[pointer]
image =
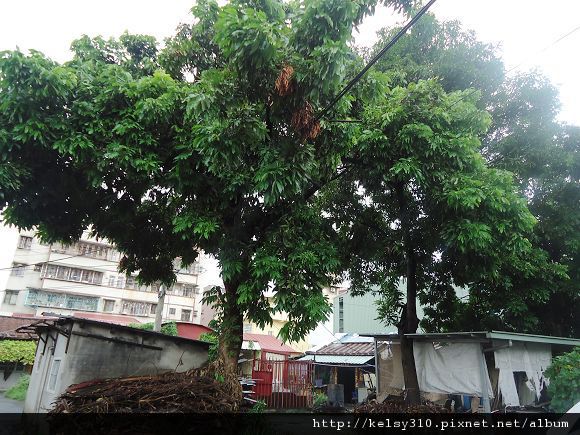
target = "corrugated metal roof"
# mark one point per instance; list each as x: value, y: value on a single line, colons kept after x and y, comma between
x: 118, y: 319
x: 9, y: 324
x: 347, y: 349
x: 270, y: 343
x: 483, y: 336
x: 250, y: 345
x: 338, y: 359
x: 355, y: 338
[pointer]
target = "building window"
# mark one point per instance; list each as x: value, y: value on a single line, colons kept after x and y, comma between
x: 72, y: 274
x: 38, y: 267
x: 185, y: 315
x: 131, y: 283
x: 247, y: 327
x: 192, y: 269
x: 42, y: 298
x: 24, y: 242
x: 18, y: 269
x: 53, y: 375
x: 109, y: 305
x: 137, y: 308
x: 172, y: 311
x: 187, y: 290
x: 10, y: 297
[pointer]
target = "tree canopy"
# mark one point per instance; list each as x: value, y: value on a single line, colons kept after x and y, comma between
x: 213, y: 144
x: 525, y: 138
x: 208, y: 144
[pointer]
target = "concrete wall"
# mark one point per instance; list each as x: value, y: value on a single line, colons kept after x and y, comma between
x: 88, y: 358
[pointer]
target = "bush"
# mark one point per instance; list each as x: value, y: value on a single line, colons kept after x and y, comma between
x: 258, y: 407
x: 18, y: 391
x: 17, y: 350
x: 169, y: 328
x: 320, y: 399
x: 213, y: 339
x: 564, y: 375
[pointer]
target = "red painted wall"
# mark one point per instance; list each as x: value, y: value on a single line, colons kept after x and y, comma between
x: 191, y: 330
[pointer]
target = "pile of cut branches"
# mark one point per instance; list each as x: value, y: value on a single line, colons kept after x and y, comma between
x: 187, y: 392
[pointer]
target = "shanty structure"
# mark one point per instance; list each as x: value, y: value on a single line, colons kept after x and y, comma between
x: 261, y: 347
x: 348, y: 361
x: 267, y: 366
x: 73, y: 350
x: 504, y: 369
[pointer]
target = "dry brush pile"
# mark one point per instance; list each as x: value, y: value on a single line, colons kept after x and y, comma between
x: 187, y: 392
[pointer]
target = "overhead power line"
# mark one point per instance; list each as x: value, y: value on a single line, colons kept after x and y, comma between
x: 375, y: 59
x: 40, y: 263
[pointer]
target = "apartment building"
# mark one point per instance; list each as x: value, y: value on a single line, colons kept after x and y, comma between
x: 83, y: 278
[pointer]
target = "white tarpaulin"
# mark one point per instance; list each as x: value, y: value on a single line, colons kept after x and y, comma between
x: 531, y: 358
x: 452, y: 368
x: 390, y: 368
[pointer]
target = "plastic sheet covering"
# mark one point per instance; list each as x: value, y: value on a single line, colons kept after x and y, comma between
x: 453, y: 368
x: 390, y: 368
x: 531, y: 358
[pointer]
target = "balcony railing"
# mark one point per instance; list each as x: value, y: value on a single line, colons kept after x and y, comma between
x: 88, y: 249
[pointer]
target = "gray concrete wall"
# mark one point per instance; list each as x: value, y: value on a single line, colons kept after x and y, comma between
x: 89, y: 358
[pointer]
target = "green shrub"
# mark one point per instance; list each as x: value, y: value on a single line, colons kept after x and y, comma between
x: 18, y: 391
x: 213, y: 339
x: 564, y: 375
x: 169, y: 328
x: 258, y: 407
x: 320, y: 399
x: 17, y: 350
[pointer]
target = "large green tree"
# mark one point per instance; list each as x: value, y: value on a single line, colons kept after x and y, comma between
x: 421, y: 203
x: 210, y: 144
x: 213, y: 144
x: 525, y: 138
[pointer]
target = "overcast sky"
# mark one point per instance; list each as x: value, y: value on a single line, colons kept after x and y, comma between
x: 524, y: 28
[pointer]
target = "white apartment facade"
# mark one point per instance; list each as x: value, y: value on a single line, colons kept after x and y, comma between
x: 84, y: 278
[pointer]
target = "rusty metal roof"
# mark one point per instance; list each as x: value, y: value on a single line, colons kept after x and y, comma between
x: 269, y: 343
x: 10, y: 324
x: 339, y: 348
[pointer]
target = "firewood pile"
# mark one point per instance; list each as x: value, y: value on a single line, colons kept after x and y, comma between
x: 398, y: 406
x: 186, y: 392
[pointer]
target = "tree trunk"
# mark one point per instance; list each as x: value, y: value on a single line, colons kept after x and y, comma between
x: 230, y: 339
x: 409, y: 321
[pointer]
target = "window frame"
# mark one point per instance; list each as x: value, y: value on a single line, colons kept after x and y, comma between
x: 108, y: 301
x: 50, y: 373
x: 12, y: 294
x: 189, y: 315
